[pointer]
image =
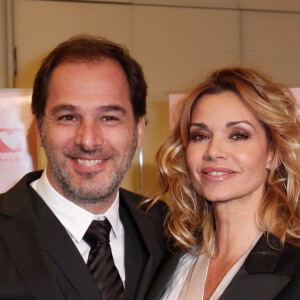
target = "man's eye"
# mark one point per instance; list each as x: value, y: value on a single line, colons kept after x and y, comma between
x: 66, y: 118
x: 109, y: 118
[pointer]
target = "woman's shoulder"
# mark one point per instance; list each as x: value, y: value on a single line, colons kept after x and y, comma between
x: 268, y: 243
x: 289, y: 265
x: 291, y: 254
x: 268, y: 255
x: 292, y: 247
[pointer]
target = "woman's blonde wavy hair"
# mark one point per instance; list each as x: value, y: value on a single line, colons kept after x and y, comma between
x: 190, y: 221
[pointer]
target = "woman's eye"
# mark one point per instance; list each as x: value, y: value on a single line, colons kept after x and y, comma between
x: 200, y: 136
x: 240, y: 136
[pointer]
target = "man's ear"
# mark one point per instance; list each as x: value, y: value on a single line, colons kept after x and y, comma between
x: 141, y: 126
x: 39, y: 132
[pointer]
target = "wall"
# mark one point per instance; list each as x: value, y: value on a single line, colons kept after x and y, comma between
x: 3, y: 53
x: 177, y: 42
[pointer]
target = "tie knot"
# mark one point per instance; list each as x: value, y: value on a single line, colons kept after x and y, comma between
x: 98, y: 232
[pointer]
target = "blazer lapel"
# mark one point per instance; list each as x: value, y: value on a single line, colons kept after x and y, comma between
x: 65, y: 256
x: 136, y: 255
x: 144, y: 246
x: 18, y: 232
x: 254, y: 286
x: 257, y: 278
x: 163, y: 277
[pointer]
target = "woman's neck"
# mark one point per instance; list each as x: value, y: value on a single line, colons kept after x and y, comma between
x: 236, y: 228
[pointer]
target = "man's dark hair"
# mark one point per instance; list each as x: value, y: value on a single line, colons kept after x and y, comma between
x: 89, y: 49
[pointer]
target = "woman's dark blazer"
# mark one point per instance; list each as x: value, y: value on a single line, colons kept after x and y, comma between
x: 266, y: 274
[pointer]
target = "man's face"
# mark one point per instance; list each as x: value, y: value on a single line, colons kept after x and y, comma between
x: 89, y: 132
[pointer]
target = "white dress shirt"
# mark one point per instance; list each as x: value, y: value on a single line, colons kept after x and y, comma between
x: 76, y: 221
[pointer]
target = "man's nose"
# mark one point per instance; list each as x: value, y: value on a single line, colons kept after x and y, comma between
x: 88, y: 135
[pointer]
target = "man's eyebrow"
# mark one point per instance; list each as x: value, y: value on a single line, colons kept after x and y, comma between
x: 63, y: 107
x: 112, y: 108
x: 101, y: 109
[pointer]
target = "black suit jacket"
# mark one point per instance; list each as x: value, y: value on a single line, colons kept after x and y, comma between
x: 38, y: 259
x: 266, y: 274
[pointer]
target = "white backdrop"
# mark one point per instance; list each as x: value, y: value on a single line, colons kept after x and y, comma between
x: 17, y: 137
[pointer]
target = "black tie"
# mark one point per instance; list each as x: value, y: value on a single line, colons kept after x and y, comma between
x: 101, y: 263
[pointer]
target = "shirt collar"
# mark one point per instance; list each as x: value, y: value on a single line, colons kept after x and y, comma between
x: 74, y: 218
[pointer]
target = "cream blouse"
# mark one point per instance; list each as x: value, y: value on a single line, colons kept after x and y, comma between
x: 181, y: 287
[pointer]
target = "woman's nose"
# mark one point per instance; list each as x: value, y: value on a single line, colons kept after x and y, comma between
x: 216, y: 149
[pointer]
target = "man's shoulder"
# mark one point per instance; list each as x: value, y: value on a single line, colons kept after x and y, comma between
x: 136, y: 202
x: 136, y: 198
x: 16, y: 196
x: 24, y: 181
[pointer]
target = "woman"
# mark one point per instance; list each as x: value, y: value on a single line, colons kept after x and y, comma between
x: 230, y: 174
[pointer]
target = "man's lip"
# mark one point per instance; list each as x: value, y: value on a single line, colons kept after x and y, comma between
x: 88, y: 162
x: 209, y: 170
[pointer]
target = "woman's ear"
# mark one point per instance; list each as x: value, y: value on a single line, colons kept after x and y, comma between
x: 273, y: 160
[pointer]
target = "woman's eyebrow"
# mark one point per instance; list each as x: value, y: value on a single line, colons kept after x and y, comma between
x: 199, y: 125
x: 233, y: 123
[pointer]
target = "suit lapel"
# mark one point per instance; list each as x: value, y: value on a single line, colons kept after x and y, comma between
x: 162, y: 279
x: 254, y: 286
x: 53, y: 268
x: 257, y: 278
x: 20, y: 238
x: 135, y: 255
x: 65, y: 256
x: 144, y: 245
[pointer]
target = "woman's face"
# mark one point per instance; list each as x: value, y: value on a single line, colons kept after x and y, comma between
x: 227, y: 153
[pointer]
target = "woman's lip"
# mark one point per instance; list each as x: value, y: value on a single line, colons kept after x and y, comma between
x: 217, y: 174
x: 208, y: 170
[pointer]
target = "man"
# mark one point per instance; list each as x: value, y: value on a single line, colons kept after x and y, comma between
x: 89, y: 100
